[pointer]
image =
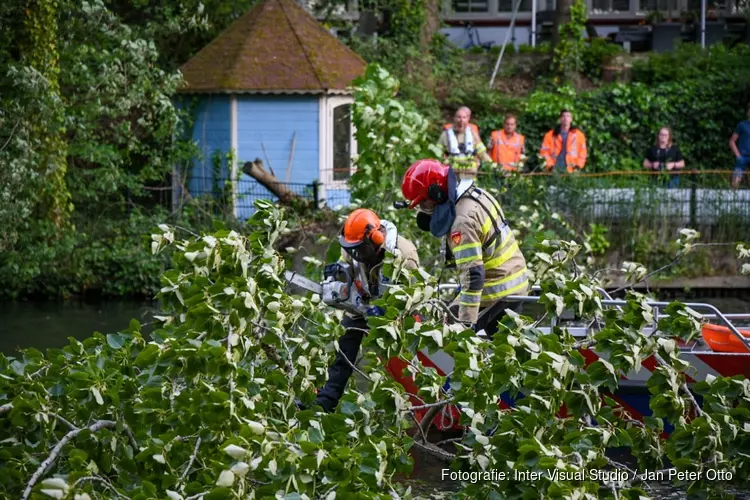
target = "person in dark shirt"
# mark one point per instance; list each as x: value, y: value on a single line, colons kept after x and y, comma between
x: 739, y: 143
x: 665, y: 156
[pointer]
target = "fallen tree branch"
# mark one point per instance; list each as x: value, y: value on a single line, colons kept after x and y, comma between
x: 414, y: 417
x: 667, y: 266
x: 581, y: 343
x: 270, y: 350
x: 100, y: 479
x: 430, y: 416
x: 683, y: 386
x: 66, y: 422
x: 190, y: 462
x: 435, y: 451
x: 131, y: 437
x: 431, y: 405
x: 50, y: 460
x: 257, y: 171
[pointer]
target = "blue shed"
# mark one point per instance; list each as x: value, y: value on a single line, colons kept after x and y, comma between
x: 274, y: 86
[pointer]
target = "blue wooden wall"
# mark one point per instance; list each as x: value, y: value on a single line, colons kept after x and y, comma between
x: 270, y: 121
x: 211, y: 131
x: 337, y: 198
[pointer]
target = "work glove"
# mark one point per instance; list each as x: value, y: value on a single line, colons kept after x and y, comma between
x: 375, y: 311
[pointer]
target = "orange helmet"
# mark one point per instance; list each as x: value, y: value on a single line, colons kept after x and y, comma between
x: 362, y: 234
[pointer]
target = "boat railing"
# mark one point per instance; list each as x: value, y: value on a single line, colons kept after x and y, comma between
x: 607, y: 300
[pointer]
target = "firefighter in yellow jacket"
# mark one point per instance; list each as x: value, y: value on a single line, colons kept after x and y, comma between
x: 478, y: 238
x: 461, y: 145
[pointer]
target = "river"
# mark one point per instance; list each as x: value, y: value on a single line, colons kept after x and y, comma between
x: 48, y: 325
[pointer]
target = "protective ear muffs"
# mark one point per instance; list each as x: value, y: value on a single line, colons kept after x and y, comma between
x: 376, y: 235
x: 435, y: 193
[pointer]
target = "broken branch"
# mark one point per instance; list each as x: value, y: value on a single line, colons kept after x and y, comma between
x: 50, y: 460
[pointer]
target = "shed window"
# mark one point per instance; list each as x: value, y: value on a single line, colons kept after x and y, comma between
x: 342, y: 142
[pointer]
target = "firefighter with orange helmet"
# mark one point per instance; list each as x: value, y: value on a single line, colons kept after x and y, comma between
x: 478, y: 241
x: 365, y: 240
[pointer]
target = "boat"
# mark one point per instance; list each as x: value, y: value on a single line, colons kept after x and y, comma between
x: 722, y: 350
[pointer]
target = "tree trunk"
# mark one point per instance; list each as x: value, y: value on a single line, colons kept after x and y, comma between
x: 431, y: 24
x: 257, y: 171
x: 39, y: 50
x: 562, y: 16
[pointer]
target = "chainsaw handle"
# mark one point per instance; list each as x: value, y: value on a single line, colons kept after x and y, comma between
x: 332, y: 273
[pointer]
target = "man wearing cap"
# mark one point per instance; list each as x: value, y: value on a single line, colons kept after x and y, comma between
x: 365, y: 240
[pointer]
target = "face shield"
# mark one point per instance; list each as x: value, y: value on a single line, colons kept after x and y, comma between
x: 365, y: 251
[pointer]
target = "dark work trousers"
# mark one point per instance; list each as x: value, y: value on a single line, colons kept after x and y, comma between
x: 340, y: 371
x: 489, y: 320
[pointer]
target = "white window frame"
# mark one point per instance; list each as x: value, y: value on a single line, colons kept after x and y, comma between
x: 325, y: 142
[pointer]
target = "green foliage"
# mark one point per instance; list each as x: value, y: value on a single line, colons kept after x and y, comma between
x: 206, y: 406
x: 99, y: 259
x: 109, y: 120
x: 568, y: 53
x: 179, y: 28
x: 391, y: 135
x: 621, y: 120
x: 597, y: 53
x: 596, y: 240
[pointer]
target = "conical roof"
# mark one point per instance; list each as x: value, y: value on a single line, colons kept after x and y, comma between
x: 276, y: 47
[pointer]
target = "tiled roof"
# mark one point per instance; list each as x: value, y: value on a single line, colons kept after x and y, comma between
x: 277, y: 46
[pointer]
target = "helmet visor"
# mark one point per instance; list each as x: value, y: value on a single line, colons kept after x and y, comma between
x: 364, y: 252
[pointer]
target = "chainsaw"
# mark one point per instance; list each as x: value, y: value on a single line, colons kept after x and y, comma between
x: 340, y: 289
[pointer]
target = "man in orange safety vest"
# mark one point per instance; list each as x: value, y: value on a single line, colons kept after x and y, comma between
x: 507, y: 147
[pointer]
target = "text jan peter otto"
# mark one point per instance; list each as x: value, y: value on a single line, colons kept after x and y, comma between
x: 611, y: 475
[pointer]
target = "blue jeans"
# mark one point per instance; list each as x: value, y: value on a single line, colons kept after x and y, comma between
x: 739, y: 166
x: 669, y: 181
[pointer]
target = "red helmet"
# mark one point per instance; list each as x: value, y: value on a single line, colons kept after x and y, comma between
x: 420, y: 176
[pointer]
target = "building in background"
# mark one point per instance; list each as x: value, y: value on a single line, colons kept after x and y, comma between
x: 483, y: 22
x: 273, y: 86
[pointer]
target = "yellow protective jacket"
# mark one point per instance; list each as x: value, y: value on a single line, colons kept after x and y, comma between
x: 486, y: 254
x: 465, y: 164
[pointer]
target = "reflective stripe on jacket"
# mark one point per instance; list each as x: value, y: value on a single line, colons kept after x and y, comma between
x: 486, y: 254
x: 507, y: 151
x: 468, y: 161
x: 576, y: 151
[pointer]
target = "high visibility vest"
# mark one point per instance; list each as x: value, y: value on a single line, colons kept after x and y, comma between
x: 575, y: 151
x: 465, y: 160
x: 507, y: 151
x: 472, y: 126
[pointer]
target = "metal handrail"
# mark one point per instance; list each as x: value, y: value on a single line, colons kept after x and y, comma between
x: 618, y: 303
